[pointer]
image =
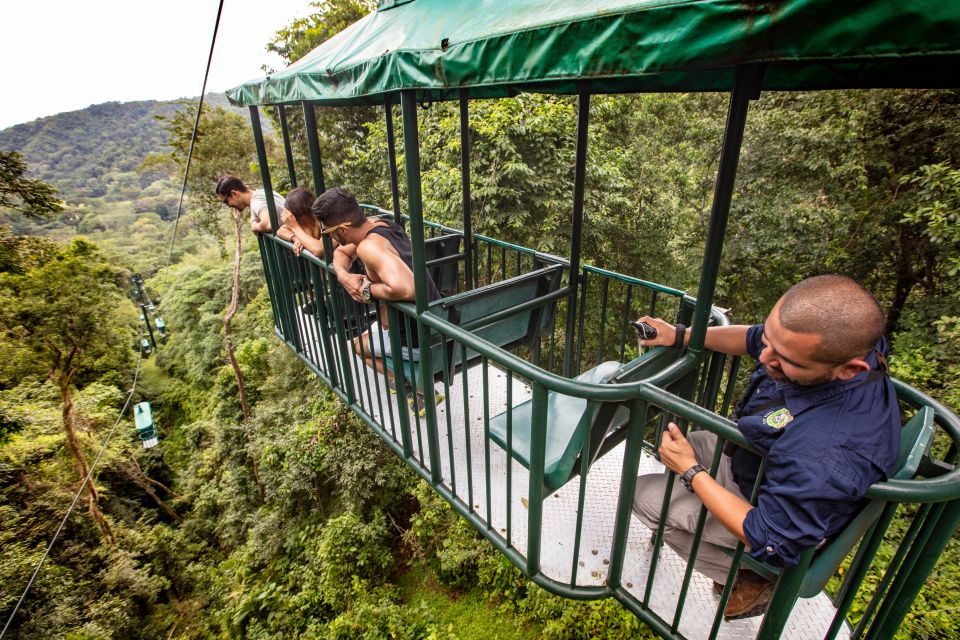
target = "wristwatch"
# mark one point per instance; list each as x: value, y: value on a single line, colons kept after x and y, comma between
x: 687, y: 478
x: 365, y: 291
x: 679, y: 336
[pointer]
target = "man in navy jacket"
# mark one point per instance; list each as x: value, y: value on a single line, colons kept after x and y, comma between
x: 821, y: 409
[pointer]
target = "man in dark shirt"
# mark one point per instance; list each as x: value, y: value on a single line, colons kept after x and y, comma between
x: 823, y: 412
x: 385, y: 251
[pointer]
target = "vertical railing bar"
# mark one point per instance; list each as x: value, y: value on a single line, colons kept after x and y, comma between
x: 486, y: 438
x: 604, y: 297
x: 287, y: 150
x: 270, y: 276
x: 503, y: 263
x: 447, y: 349
x: 631, y: 461
x: 653, y: 305
x: 858, y: 569
x: 893, y: 569
x: 737, y: 557
x: 582, y: 320
x: 400, y: 381
x: 415, y: 398
x: 336, y: 294
x: 940, y: 529
x: 360, y: 318
x: 288, y: 298
x: 489, y: 263
x: 509, y: 500
x: 304, y: 311
x: 581, y: 497
x: 625, y: 322
x: 731, y: 382
x: 387, y: 377
x: 377, y: 376
x: 695, y: 546
x: 466, y: 424
x: 535, y: 489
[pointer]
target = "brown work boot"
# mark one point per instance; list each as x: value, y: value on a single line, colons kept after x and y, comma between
x: 749, y: 597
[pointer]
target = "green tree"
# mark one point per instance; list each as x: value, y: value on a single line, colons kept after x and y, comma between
x: 32, y: 198
x: 68, y: 319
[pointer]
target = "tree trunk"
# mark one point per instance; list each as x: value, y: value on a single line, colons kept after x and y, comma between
x: 910, y: 252
x: 228, y: 343
x: 83, y: 467
x: 144, y: 481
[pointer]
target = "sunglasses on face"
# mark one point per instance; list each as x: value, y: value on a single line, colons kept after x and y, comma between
x: 328, y: 230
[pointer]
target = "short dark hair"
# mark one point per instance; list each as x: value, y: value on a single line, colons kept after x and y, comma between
x: 845, y: 315
x: 336, y: 206
x: 228, y: 184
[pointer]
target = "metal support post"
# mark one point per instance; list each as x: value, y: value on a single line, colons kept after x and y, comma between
x: 287, y: 150
x: 465, y: 181
x: 411, y: 154
x: 746, y: 87
x: 392, y: 160
x: 285, y: 299
x: 313, y: 147
x: 580, y: 172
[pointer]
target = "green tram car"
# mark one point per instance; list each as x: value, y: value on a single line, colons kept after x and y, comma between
x: 548, y: 411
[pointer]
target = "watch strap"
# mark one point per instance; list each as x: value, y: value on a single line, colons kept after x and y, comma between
x: 687, y: 478
x: 681, y: 335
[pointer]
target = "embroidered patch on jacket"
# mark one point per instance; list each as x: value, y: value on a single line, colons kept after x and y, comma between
x: 778, y: 419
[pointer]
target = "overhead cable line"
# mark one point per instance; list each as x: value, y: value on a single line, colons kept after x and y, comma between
x: 193, y: 136
x: 76, y: 498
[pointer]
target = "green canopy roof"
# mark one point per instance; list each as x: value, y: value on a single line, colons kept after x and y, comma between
x: 500, y: 47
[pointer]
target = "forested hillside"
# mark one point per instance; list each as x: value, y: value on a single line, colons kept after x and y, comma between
x: 95, y: 152
x: 288, y: 518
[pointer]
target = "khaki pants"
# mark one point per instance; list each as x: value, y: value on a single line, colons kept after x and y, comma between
x: 681, y: 521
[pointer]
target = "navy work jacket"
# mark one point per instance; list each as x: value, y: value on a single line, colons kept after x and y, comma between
x: 824, y: 446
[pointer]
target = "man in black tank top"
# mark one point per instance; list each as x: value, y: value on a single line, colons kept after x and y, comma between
x: 386, y: 254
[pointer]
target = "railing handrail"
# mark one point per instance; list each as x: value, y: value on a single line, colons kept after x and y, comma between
x: 937, y: 489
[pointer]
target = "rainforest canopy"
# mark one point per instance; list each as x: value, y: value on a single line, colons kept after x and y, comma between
x: 498, y: 48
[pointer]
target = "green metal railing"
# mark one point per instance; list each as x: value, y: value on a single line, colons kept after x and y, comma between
x: 318, y: 321
x: 578, y: 326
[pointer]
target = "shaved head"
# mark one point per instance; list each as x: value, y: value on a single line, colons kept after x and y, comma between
x: 838, y: 309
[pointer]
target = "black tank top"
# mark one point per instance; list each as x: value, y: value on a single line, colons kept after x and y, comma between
x: 401, y: 243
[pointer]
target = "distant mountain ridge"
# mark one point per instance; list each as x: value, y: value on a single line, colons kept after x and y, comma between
x: 81, y: 152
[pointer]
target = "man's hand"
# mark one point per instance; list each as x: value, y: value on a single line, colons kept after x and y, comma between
x: 352, y: 284
x: 675, y: 452
x: 666, y: 333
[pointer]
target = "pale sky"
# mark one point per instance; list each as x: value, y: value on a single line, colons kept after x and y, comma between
x: 63, y: 55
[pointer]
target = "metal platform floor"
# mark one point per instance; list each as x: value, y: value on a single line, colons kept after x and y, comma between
x: 470, y: 482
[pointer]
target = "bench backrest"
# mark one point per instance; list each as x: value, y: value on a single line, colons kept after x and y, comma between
x: 442, y: 255
x: 507, y: 330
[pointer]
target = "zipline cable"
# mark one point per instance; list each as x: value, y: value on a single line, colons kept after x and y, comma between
x: 193, y: 136
x: 76, y: 498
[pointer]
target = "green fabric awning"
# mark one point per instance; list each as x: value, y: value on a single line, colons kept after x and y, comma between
x: 501, y: 47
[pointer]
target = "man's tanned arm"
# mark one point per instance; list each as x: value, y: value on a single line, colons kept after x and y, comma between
x: 396, y: 279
